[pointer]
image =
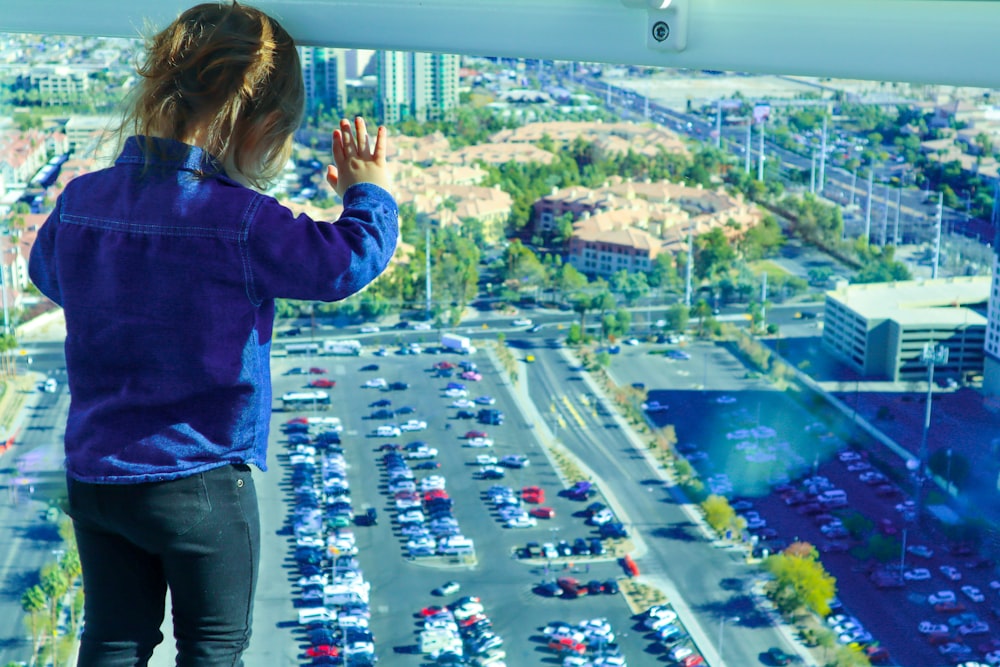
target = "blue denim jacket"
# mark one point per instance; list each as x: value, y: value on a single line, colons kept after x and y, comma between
x: 167, y: 271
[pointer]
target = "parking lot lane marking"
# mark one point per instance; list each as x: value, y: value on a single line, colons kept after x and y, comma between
x: 573, y: 412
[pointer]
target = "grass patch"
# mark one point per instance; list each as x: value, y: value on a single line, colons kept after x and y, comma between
x: 769, y: 267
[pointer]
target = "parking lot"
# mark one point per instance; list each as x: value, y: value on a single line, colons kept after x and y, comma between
x: 777, y: 463
x: 401, y: 583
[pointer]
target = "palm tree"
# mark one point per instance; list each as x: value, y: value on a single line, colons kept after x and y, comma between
x: 72, y: 570
x: 54, y: 587
x: 33, y: 602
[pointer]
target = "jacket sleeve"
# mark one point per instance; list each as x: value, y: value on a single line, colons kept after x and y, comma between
x: 42, y: 267
x: 300, y: 258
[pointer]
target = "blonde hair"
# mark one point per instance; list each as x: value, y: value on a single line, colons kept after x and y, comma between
x: 230, y: 72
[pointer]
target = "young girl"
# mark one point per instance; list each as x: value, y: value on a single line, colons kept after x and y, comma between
x: 167, y: 265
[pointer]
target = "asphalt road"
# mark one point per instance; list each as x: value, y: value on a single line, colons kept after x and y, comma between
x: 30, y: 476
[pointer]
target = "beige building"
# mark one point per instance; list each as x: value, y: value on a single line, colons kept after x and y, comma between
x: 881, y: 329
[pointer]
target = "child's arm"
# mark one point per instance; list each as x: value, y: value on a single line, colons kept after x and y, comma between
x: 298, y: 258
x: 356, y: 161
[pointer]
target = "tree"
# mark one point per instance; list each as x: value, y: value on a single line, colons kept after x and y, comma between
x: 33, y: 603
x: 632, y: 286
x: 54, y: 586
x: 800, y: 580
x: 719, y: 513
x: 677, y: 317
x: 713, y: 253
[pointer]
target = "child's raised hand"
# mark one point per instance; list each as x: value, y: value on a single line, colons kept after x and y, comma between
x: 354, y: 159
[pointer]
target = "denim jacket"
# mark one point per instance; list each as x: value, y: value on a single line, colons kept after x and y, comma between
x: 167, y: 271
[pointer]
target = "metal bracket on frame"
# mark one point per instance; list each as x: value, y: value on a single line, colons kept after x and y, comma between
x: 666, y: 27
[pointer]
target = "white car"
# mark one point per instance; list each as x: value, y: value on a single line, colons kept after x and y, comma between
x: 370, y: 328
x: 941, y: 596
x: 479, y: 442
x: 413, y: 425
x: 376, y: 383
x: 662, y: 611
x: 928, y: 627
x: 422, y: 453
x: 654, y: 406
x: 388, y: 431
x: 462, y: 402
x: 434, y: 482
x: 951, y: 572
x: 486, y: 460
x: 456, y: 393
x: 678, y: 653
x: 973, y: 593
x: 522, y: 322
x: 849, y: 456
x: 521, y: 522
x: 917, y: 574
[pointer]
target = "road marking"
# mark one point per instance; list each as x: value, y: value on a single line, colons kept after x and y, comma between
x: 573, y: 412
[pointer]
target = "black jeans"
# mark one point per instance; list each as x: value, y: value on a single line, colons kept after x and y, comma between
x: 199, y: 535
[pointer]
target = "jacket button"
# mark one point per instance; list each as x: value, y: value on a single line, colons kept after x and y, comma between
x: 239, y: 483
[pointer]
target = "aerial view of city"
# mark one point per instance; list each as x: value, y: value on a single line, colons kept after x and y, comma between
x: 669, y: 367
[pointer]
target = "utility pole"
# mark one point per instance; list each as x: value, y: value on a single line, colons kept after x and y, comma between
x: 822, y: 158
x: 746, y: 161
x: 854, y: 184
x: 645, y: 108
x: 899, y: 204
x: 427, y: 268
x: 937, y: 236
x: 689, y: 268
x: 885, y: 216
x: 812, y: 172
x: 760, y: 163
x: 763, y: 302
x: 718, y: 123
x: 868, y: 205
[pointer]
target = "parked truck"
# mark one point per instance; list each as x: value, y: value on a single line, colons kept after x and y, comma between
x: 456, y: 343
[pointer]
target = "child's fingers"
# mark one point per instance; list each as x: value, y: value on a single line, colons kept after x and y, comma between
x: 380, y: 145
x: 331, y: 176
x: 338, y: 147
x: 359, y: 124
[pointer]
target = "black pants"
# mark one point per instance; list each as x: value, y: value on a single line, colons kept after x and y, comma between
x: 199, y: 536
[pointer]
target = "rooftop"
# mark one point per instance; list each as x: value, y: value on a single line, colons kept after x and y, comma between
x: 912, y: 301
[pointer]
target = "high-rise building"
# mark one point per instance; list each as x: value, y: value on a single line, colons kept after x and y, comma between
x: 323, y: 71
x: 422, y: 86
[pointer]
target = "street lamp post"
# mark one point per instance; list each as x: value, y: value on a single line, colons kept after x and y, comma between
x: 932, y: 355
x: 722, y: 624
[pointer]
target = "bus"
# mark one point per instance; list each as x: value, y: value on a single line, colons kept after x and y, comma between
x: 342, y: 347
x: 302, y: 348
x: 299, y: 400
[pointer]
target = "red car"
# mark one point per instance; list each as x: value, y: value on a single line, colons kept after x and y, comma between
x: 471, y: 375
x: 444, y: 365
x: 323, y: 383
x: 432, y: 610
x: 542, y: 512
x: 567, y: 645
x: 322, y: 649
x: 316, y: 370
x: 435, y: 494
x: 474, y: 434
x: 297, y: 420
x: 533, y: 495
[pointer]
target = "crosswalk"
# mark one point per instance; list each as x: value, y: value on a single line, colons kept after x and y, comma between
x: 569, y: 409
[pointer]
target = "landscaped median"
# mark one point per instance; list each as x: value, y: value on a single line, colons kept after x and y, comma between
x: 16, y: 391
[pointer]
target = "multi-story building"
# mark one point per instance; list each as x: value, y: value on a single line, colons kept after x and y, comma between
x: 882, y: 329
x: 56, y: 83
x: 324, y: 75
x: 991, y: 370
x: 604, y: 249
x: 21, y: 155
x: 421, y: 86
